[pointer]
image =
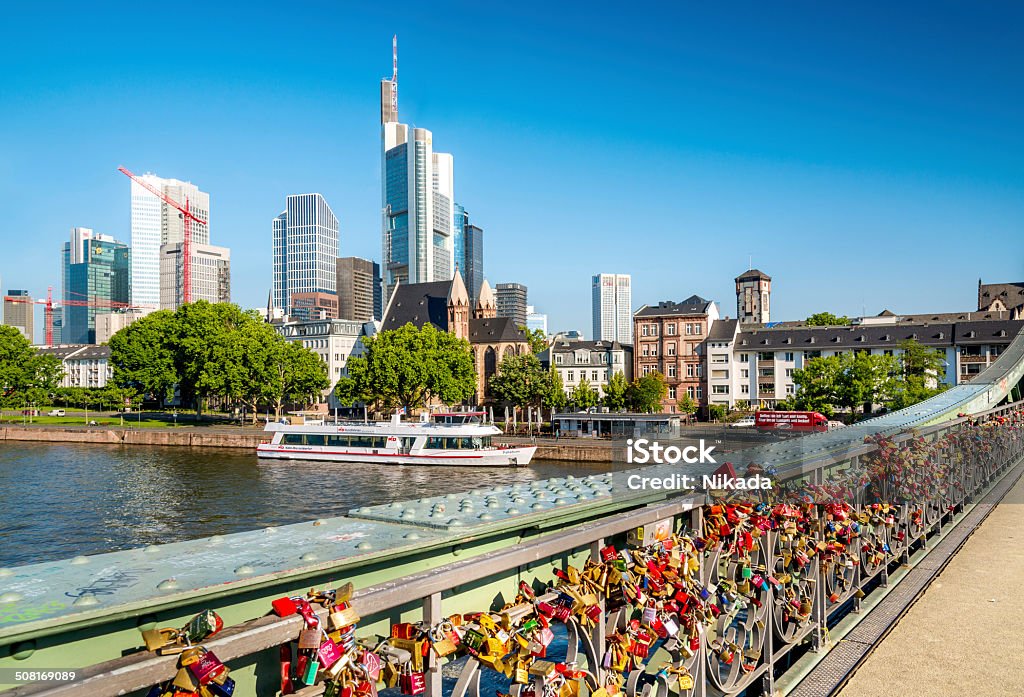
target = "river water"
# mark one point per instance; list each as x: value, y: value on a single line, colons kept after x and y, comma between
x: 59, y: 500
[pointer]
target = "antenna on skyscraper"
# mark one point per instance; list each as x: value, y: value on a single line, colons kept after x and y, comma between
x: 394, y: 74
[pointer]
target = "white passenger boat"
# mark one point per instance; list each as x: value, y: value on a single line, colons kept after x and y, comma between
x: 441, y: 438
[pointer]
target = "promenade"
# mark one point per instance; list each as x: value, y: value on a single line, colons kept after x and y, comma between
x: 963, y: 635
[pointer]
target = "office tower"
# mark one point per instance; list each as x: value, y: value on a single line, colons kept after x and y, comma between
x: 100, y: 280
x: 359, y: 292
x: 210, y: 275
x: 19, y: 312
x: 154, y: 224
x: 612, y: 307
x: 469, y: 252
x: 57, y: 317
x: 536, y: 320
x: 307, y: 307
x: 417, y: 196
x: 305, y: 249
x: 753, y: 292
x: 511, y: 302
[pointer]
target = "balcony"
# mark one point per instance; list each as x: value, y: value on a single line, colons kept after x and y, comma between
x: 970, y: 358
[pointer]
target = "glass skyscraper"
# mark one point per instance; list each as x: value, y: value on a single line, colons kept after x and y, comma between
x: 305, y: 238
x: 99, y: 277
x: 155, y: 223
x: 469, y: 252
x: 417, y: 196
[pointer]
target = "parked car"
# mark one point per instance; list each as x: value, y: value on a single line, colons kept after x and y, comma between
x: 744, y: 422
x: 55, y: 412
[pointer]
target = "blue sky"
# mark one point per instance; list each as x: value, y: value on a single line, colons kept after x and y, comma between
x: 867, y: 156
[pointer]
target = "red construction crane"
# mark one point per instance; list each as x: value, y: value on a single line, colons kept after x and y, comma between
x: 48, y: 307
x: 188, y: 217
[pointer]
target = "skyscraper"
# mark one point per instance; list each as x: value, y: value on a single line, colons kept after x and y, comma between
x: 511, y: 302
x: 102, y: 277
x: 154, y: 224
x: 612, y: 307
x: 417, y: 197
x: 210, y: 275
x: 469, y: 252
x: 19, y: 312
x: 305, y: 249
x: 536, y: 320
x: 359, y: 291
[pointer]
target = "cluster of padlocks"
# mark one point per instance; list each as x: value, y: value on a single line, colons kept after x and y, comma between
x: 747, y: 575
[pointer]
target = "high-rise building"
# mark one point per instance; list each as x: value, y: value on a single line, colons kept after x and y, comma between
x: 417, y: 197
x: 305, y: 249
x: 511, y: 302
x: 359, y: 292
x: 102, y: 278
x: 154, y: 224
x: 210, y: 275
x: 57, y: 318
x: 753, y: 292
x: 469, y: 252
x: 536, y: 320
x: 74, y: 252
x: 612, y: 307
x: 19, y: 312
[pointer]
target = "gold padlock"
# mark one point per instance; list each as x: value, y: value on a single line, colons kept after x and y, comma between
x: 184, y: 680
x: 159, y: 638
x: 345, y: 617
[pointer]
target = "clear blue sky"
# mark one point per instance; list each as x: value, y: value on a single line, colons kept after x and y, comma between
x: 866, y: 155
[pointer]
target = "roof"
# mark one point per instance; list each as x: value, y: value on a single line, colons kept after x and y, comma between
x: 563, y: 346
x: 942, y: 334
x: 753, y: 275
x: 419, y: 304
x: 723, y: 330
x: 617, y: 416
x: 489, y: 331
x: 63, y: 351
x: 1012, y: 294
x: 693, y: 305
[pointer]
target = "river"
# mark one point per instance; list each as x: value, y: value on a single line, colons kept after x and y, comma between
x: 60, y: 500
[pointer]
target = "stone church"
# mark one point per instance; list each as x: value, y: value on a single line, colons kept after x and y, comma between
x: 445, y: 304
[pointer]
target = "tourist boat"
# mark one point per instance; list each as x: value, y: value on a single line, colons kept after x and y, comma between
x: 440, y: 438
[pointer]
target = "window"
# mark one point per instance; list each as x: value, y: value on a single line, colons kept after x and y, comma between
x: 654, y: 349
x: 698, y: 329
x: 700, y: 392
x: 593, y: 376
x: 689, y: 329
x: 719, y: 389
x: 787, y: 356
x: 643, y: 349
x: 312, y: 439
x: 558, y: 358
x: 643, y: 330
x: 744, y: 358
x: 766, y: 356
x: 744, y: 373
x: 671, y: 370
x: 670, y: 348
x: 570, y: 376
x: 670, y: 329
x: 720, y: 358
x: 789, y: 372
x: 689, y: 370
x: 745, y: 388
x: 654, y: 330
x: 672, y: 393
x: 720, y: 374
x: 700, y: 370
x: 690, y: 392
x: 789, y: 389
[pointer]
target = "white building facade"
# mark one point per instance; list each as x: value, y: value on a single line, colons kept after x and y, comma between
x: 334, y: 340
x: 612, y: 307
x: 593, y: 361
x: 154, y: 224
x: 209, y: 275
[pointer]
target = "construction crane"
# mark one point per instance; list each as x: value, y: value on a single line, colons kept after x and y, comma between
x: 188, y: 218
x: 48, y: 307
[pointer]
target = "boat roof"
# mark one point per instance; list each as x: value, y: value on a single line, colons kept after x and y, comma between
x: 375, y: 427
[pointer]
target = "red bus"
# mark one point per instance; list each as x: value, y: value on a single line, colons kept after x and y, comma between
x: 802, y: 421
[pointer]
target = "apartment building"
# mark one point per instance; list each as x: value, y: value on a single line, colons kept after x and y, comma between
x: 595, y: 361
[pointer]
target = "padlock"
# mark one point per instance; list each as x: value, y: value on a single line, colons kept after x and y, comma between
x: 341, y: 617
x: 283, y: 607
x: 156, y: 639
x: 208, y: 668
x: 328, y: 653
x: 309, y: 638
x: 202, y: 626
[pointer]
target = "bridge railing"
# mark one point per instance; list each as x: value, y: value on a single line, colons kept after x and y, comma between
x: 766, y: 635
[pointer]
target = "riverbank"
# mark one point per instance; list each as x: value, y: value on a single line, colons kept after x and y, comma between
x: 248, y: 438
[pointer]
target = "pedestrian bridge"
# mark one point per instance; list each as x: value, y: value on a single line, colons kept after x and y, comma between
x: 423, y: 559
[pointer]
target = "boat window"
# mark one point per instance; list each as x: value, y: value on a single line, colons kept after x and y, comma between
x: 380, y: 442
x: 362, y: 441
x: 292, y: 439
x: 312, y: 439
x: 337, y: 441
x: 435, y: 443
x: 487, y: 441
x: 465, y: 443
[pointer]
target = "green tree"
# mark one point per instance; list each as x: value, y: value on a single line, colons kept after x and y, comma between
x: 521, y: 381
x: 298, y: 375
x: 25, y: 375
x: 716, y: 412
x: 537, y: 339
x: 408, y: 367
x: 251, y: 375
x: 827, y: 319
x: 867, y: 379
x: 646, y: 393
x: 583, y: 395
x: 615, y: 392
x: 686, y: 405
x: 142, y: 356
x: 203, y: 336
x: 556, y: 398
x: 819, y: 384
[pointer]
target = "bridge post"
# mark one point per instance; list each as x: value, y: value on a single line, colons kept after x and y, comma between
x: 432, y: 615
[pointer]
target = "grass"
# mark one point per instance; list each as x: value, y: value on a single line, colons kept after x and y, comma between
x: 129, y: 420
